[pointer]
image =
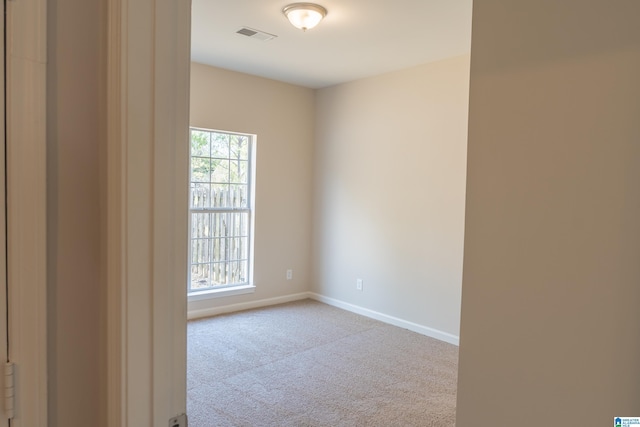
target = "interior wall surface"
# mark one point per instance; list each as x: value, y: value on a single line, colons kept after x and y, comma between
x: 550, y: 295
x: 389, y: 193
x: 282, y: 117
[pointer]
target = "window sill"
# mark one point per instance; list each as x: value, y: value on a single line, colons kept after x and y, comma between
x: 219, y: 293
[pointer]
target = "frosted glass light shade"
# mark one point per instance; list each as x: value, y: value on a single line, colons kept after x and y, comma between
x: 304, y: 15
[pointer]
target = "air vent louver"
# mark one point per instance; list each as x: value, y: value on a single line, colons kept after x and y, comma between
x: 256, y: 34
x: 247, y: 32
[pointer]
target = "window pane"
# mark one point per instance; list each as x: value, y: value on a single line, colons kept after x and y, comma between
x: 220, y: 145
x: 239, y: 147
x: 217, y: 275
x: 220, y: 174
x: 200, y: 143
x: 235, y: 197
x: 201, y: 250
x: 201, y: 229
x: 220, y: 171
x: 244, y: 225
x: 200, y: 169
x: 217, y: 250
x: 233, y: 249
x: 199, y: 225
x: 218, y: 225
x: 219, y: 196
x: 240, y: 224
x: 244, y: 148
x: 200, y: 195
x: 239, y: 249
x: 220, y: 273
x: 239, y: 196
x: 236, y: 273
x: 200, y: 276
x: 239, y: 172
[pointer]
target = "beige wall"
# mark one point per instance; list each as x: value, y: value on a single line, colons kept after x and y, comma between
x: 389, y: 192
x: 282, y: 116
x: 74, y: 109
x: 550, y: 319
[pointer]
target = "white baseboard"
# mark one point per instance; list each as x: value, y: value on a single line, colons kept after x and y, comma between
x: 212, y: 311
x: 424, y: 330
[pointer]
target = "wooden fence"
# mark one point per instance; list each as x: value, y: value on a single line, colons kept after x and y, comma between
x: 219, y: 236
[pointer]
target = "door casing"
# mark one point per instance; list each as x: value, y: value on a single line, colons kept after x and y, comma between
x: 26, y: 58
x: 148, y: 60
x: 147, y: 171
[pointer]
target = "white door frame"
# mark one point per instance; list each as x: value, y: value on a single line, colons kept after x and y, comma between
x: 147, y: 163
x: 148, y: 61
x: 26, y: 216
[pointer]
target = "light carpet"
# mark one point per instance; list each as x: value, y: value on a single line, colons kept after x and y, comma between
x: 309, y: 364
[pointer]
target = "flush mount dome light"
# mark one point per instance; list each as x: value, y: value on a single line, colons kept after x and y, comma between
x: 304, y: 15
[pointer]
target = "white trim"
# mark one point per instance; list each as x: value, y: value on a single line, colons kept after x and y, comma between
x: 26, y: 170
x: 220, y: 293
x: 231, y: 308
x: 423, y: 330
x: 147, y: 107
x: 213, y: 311
x: 249, y: 209
x: 171, y: 70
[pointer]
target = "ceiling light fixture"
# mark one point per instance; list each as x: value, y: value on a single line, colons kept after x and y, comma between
x: 304, y: 15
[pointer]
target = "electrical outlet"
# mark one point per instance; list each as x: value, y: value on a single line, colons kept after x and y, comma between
x: 359, y: 284
x: 289, y: 274
x: 179, y: 421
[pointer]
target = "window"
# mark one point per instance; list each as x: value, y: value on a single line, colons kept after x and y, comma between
x: 221, y: 216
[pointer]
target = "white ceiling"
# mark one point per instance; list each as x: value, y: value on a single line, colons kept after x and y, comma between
x: 358, y: 38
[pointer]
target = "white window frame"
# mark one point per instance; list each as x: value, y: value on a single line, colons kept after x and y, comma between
x: 233, y: 288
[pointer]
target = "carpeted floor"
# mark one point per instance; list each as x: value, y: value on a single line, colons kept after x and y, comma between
x: 309, y: 364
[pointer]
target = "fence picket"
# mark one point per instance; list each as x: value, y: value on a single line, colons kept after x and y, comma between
x: 218, y: 238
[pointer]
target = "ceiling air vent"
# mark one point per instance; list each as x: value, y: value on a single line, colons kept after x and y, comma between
x: 256, y: 34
